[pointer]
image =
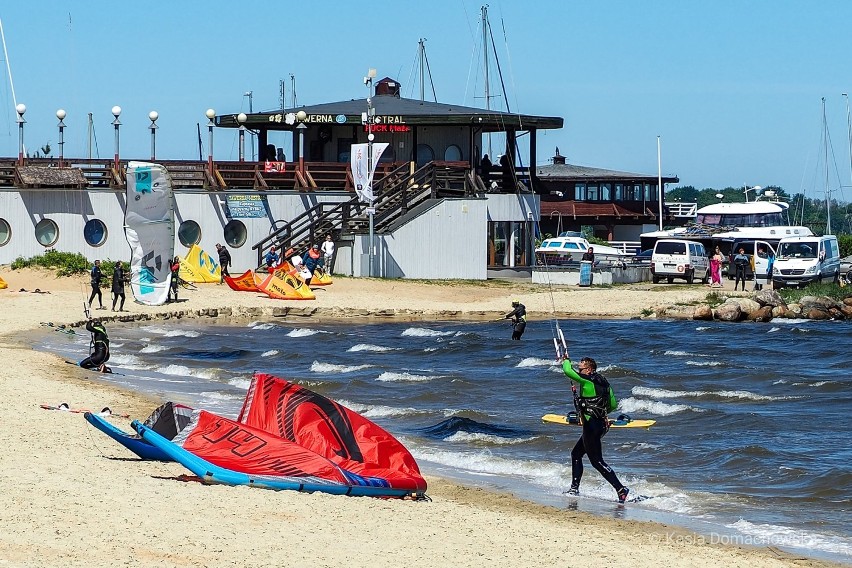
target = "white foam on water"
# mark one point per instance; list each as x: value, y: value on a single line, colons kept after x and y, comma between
x: 182, y: 333
x: 371, y: 347
x: 490, y: 439
x: 652, y: 406
x: 702, y: 328
x: 317, y: 367
x: 270, y: 353
x: 380, y: 411
x: 178, y: 370
x: 215, y: 395
x: 261, y: 325
x: 704, y: 363
x: 746, y: 395
x: 392, y: 377
x: 127, y: 361
x: 303, y: 332
x: 536, y: 362
x: 425, y: 332
x: 430, y: 349
x: 774, y: 329
x: 779, y: 535
x: 240, y: 383
x: 153, y: 348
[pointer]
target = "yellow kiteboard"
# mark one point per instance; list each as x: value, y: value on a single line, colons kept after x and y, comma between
x: 623, y: 423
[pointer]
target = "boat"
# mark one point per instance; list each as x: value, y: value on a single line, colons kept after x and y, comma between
x: 720, y: 224
x: 570, y: 247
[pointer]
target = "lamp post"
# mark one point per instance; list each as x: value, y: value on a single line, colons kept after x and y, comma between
x: 153, y: 116
x: 301, y: 116
x: 61, y: 114
x: 660, y: 192
x: 241, y: 118
x: 116, y: 112
x: 371, y: 210
x: 250, y: 95
x: 21, y: 109
x: 210, y: 114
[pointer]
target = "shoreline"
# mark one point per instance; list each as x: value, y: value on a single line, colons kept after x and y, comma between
x: 60, y: 472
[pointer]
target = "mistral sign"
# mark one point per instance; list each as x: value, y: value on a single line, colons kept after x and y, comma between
x: 363, y: 169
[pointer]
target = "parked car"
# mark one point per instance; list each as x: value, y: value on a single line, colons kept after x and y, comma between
x: 846, y: 268
x: 677, y: 258
x: 643, y: 257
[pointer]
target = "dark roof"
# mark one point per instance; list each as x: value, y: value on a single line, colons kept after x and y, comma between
x: 570, y: 172
x: 588, y: 209
x: 414, y: 112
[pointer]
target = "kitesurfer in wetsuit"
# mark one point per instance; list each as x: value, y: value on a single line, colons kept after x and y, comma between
x: 173, y: 289
x: 518, y: 315
x: 96, y: 276
x: 100, y: 347
x: 593, y: 402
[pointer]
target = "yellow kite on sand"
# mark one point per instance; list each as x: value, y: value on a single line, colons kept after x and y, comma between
x: 198, y: 266
x: 3, y: 284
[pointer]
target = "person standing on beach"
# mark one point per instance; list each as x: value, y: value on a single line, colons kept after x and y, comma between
x: 96, y: 276
x: 224, y: 261
x: 100, y: 347
x: 741, y: 260
x: 589, y: 256
x: 518, y: 315
x: 119, y: 277
x: 716, y: 269
x: 328, y: 252
x: 173, y: 288
x: 593, y: 402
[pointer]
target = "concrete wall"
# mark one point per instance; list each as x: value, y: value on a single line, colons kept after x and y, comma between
x: 571, y: 276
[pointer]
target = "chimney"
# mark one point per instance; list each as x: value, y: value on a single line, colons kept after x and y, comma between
x: 388, y: 86
x: 558, y: 159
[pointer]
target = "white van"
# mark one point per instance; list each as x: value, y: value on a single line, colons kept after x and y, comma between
x: 802, y: 260
x: 678, y: 258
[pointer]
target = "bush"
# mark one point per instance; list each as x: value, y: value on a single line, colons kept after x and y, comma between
x: 845, y: 244
x: 65, y: 263
x: 794, y: 295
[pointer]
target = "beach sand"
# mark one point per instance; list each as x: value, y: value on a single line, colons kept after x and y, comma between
x: 71, y: 497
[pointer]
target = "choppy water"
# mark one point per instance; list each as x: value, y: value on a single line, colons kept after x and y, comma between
x: 753, y: 434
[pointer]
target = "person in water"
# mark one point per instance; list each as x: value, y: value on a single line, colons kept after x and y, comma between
x: 100, y: 347
x: 518, y: 316
x: 593, y: 402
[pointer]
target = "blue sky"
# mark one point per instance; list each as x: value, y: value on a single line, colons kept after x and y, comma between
x: 733, y: 88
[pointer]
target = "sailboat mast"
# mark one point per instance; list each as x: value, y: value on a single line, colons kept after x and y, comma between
x: 849, y: 131
x: 827, y: 188
x: 485, y: 66
x: 90, y: 127
x: 422, y: 49
x: 8, y: 66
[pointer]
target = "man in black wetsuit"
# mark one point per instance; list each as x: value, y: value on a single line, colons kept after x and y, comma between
x: 593, y: 401
x: 518, y: 316
x: 96, y: 276
x: 100, y: 347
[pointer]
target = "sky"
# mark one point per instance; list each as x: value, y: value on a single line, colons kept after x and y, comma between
x: 733, y: 89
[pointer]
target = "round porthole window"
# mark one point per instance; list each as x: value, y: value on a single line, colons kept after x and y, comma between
x: 453, y: 153
x: 5, y: 232
x: 189, y: 233
x: 235, y: 233
x: 46, y: 232
x: 95, y: 232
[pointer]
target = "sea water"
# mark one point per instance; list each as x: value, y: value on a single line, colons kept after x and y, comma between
x: 752, y: 441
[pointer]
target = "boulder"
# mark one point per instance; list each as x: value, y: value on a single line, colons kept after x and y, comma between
x: 703, y: 312
x: 680, y: 312
x: 820, y: 302
x: 848, y: 301
x: 782, y: 312
x: 816, y: 314
x: 747, y: 305
x: 846, y: 311
x: 795, y: 310
x: 729, y: 311
x: 769, y: 297
x: 837, y: 313
x: 763, y: 313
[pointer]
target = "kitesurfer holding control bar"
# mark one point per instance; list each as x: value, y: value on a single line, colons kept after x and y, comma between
x: 100, y: 347
x: 518, y: 315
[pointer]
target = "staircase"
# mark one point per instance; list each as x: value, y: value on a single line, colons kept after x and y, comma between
x: 395, y: 194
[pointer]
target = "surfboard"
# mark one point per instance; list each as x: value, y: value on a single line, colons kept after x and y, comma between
x: 562, y: 419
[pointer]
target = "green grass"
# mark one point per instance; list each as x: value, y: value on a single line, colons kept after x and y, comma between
x: 794, y: 295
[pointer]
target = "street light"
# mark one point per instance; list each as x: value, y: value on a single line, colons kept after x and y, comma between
x: 21, y: 109
x: 116, y: 111
x: 301, y: 116
x: 241, y: 118
x: 250, y: 95
x: 153, y: 116
x: 746, y: 189
x: 371, y: 210
x: 210, y: 114
x: 61, y: 114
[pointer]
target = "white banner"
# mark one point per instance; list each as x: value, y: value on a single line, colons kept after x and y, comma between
x: 362, y: 175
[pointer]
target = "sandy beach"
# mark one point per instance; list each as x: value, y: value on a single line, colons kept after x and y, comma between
x: 70, y: 497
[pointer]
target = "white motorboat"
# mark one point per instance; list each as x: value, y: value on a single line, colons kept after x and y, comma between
x: 568, y: 247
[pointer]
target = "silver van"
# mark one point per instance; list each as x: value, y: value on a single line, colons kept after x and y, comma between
x: 802, y: 260
x: 679, y: 258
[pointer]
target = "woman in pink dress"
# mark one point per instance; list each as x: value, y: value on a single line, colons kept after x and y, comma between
x: 716, y: 269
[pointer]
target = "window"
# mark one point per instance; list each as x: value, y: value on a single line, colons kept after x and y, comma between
x: 46, y: 232
x: 235, y: 233
x: 592, y: 193
x: 580, y: 191
x: 605, y: 192
x: 189, y: 233
x: 670, y: 247
x: 619, y: 192
x: 5, y: 232
x: 453, y: 153
x: 425, y: 154
x: 95, y: 232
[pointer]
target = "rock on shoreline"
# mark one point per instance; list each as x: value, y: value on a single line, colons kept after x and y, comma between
x: 763, y: 306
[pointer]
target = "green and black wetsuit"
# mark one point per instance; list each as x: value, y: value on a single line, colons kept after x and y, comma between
x: 594, y: 402
x: 100, y: 342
